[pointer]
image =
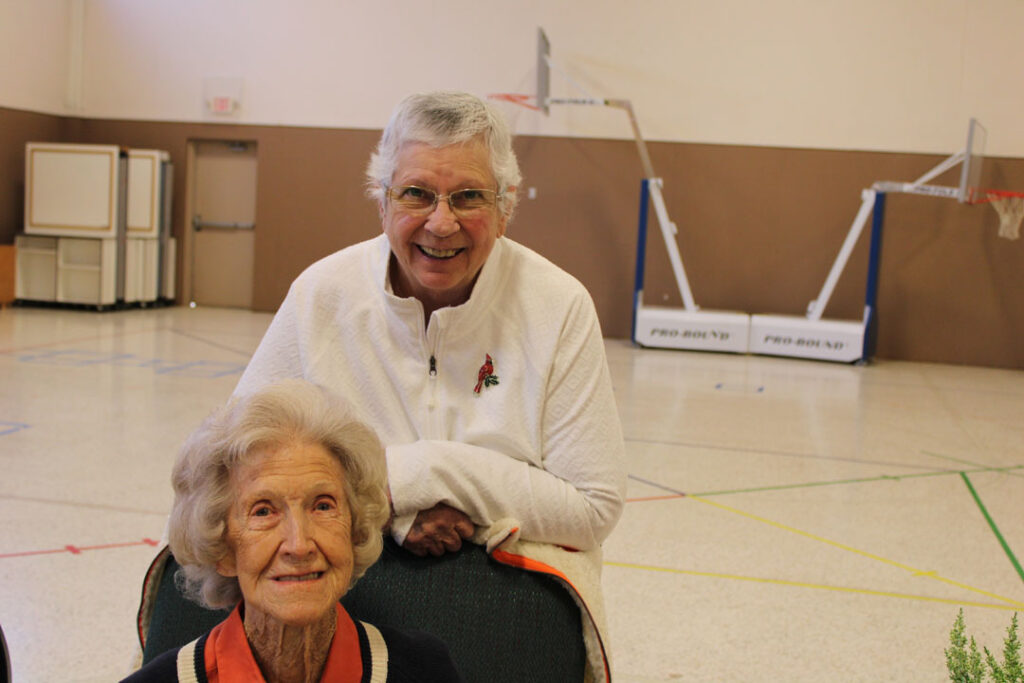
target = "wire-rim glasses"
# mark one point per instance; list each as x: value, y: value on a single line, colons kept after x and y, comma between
x: 464, y: 203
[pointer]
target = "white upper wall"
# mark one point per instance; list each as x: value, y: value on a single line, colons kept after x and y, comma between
x: 890, y: 75
x: 34, y: 50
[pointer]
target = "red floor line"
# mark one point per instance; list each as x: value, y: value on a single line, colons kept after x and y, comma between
x: 78, y: 550
x: 32, y: 552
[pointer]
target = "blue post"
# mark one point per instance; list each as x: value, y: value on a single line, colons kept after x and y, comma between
x: 641, y: 250
x: 874, y: 266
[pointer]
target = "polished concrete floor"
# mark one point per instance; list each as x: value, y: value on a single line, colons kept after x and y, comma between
x: 787, y: 520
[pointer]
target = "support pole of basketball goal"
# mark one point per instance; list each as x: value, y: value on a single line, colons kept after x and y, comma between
x: 657, y: 326
x: 874, y: 269
x: 817, y: 307
x: 641, y: 252
x: 654, y: 185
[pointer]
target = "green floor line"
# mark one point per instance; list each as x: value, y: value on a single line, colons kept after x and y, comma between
x: 995, y: 529
x: 862, y: 480
x: 963, y: 462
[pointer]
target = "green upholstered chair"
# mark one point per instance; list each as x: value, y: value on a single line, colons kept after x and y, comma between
x: 5, y: 660
x: 500, y: 623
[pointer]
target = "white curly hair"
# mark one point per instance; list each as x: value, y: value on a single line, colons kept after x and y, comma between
x: 291, y: 411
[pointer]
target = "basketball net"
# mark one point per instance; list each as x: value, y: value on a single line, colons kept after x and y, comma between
x: 514, y: 105
x: 516, y: 98
x: 1011, y: 214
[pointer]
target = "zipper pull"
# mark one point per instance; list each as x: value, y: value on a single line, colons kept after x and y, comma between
x: 433, y: 367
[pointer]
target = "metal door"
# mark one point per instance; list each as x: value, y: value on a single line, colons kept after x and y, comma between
x: 223, y: 221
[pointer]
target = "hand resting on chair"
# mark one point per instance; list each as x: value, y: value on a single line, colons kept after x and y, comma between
x: 438, y: 530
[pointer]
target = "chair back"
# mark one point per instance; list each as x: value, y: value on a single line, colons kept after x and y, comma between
x: 5, y: 659
x: 501, y: 624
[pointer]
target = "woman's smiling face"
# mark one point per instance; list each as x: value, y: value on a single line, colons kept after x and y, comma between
x: 289, y: 534
x: 438, y: 256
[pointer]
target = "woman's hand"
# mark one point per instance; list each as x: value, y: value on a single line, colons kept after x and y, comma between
x: 438, y: 530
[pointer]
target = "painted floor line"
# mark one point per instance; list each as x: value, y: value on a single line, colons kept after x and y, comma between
x: 222, y: 347
x: 83, y: 504
x: 78, y: 550
x: 931, y: 387
x: 860, y: 480
x: 648, y: 499
x: 841, y: 546
x: 82, y: 358
x: 968, y: 462
x: 76, y: 340
x: 992, y: 525
x: 12, y: 427
x: 814, y: 586
x: 804, y: 485
x: 787, y: 454
x: 657, y: 485
x: 952, y: 459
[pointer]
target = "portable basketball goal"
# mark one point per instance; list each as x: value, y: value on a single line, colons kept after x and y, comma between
x: 810, y: 336
x: 813, y: 336
x: 686, y: 328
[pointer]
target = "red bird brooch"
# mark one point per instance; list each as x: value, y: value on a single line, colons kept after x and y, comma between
x: 485, y: 377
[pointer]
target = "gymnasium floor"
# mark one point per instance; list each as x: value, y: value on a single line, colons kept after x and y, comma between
x: 788, y: 520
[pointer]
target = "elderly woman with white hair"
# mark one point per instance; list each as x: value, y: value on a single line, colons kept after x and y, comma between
x: 279, y: 501
x: 479, y: 363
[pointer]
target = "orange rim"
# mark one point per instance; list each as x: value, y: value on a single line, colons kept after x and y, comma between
x: 516, y: 98
x: 985, y: 196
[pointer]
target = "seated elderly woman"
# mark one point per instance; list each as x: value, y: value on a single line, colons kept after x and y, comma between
x: 279, y: 501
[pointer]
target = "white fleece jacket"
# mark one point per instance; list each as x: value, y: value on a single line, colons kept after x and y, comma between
x: 540, y: 442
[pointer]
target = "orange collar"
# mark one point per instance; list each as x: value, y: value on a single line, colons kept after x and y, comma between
x: 228, y: 657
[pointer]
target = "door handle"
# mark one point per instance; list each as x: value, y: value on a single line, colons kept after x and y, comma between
x: 199, y: 224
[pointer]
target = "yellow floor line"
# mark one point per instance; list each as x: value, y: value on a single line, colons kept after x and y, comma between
x: 815, y: 586
x: 916, y: 572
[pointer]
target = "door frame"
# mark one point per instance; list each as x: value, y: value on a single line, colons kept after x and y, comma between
x: 188, y: 235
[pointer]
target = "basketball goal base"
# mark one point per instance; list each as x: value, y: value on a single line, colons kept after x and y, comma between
x: 678, y: 328
x: 839, y: 341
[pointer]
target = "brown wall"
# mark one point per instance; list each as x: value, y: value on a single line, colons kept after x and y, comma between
x: 310, y: 198
x: 6, y: 274
x: 17, y: 128
x: 759, y: 227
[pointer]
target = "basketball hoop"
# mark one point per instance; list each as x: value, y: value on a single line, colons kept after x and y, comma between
x: 1010, y: 207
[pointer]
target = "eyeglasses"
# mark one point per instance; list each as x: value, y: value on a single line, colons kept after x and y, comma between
x: 463, y: 203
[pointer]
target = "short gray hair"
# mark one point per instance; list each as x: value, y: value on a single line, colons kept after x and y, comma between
x: 440, y: 119
x: 291, y: 411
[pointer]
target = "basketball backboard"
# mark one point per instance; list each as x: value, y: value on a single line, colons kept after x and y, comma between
x: 543, y: 72
x: 974, y: 157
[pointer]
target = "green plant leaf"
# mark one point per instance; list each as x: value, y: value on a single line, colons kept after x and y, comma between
x: 956, y: 654
x: 975, y: 665
x: 1012, y: 669
x: 995, y: 670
